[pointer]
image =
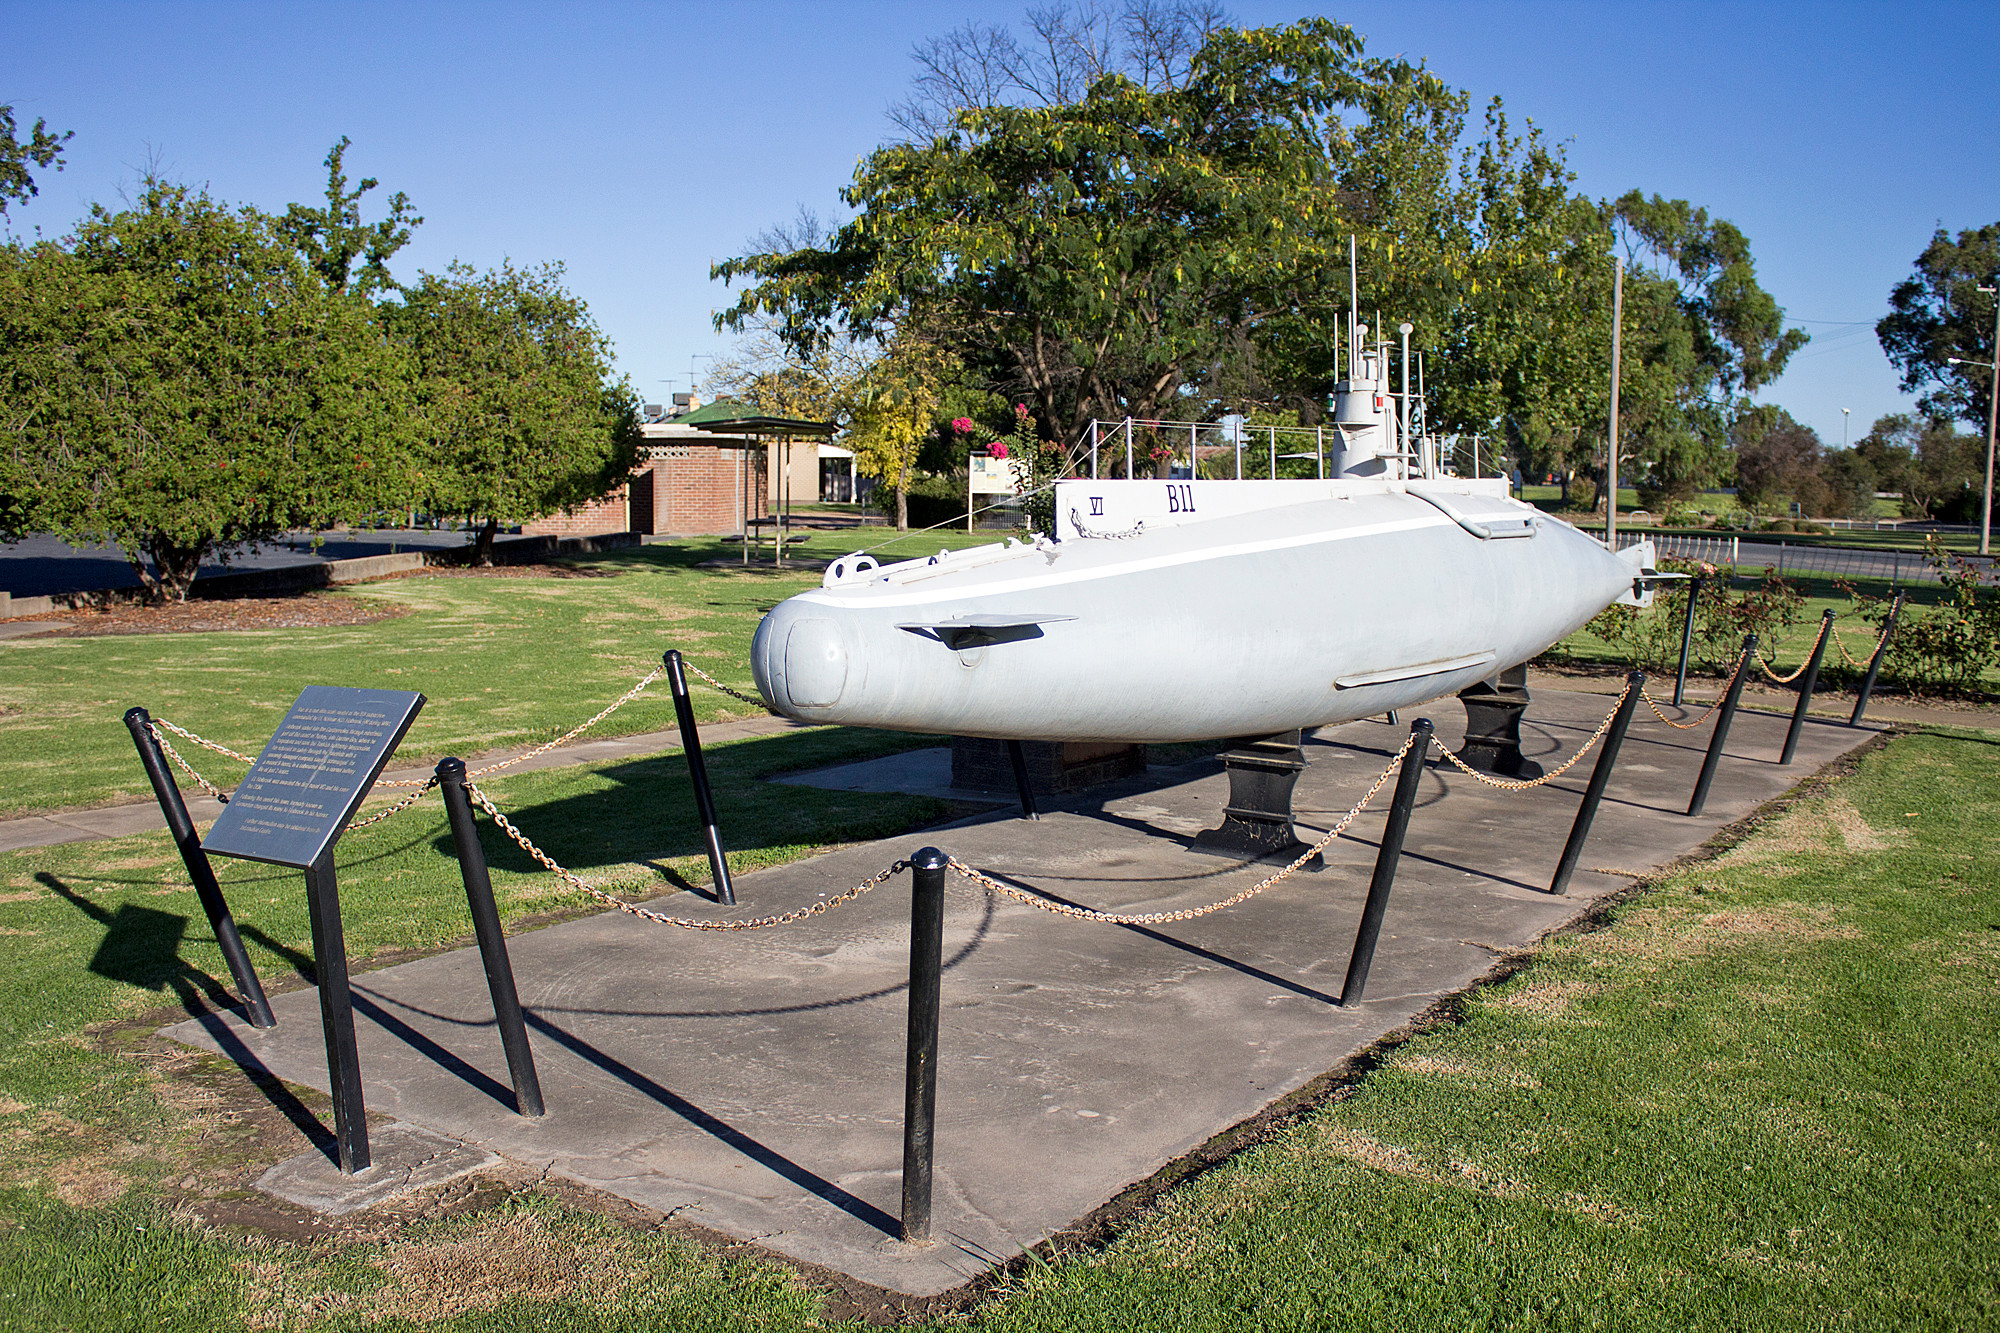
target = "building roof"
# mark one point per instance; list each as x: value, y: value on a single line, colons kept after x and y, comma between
x: 728, y: 417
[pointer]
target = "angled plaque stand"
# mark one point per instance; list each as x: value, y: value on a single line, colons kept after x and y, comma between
x: 289, y: 811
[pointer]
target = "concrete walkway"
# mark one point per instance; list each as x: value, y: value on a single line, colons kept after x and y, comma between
x: 118, y: 821
x: 752, y: 1082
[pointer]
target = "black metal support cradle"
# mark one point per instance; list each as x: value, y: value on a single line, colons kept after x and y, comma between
x: 1386, y: 858
x: 181, y: 825
x: 1018, y: 756
x: 1720, y: 738
x: 718, y: 866
x: 1600, y: 777
x: 920, y: 1066
x: 492, y: 939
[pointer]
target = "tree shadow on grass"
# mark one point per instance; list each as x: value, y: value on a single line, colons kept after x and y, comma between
x: 647, y: 815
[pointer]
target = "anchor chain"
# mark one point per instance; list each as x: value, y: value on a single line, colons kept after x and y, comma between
x: 1690, y: 726
x: 1188, y: 913
x: 1800, y: 670
x: 660, y: 918
x: 1516, y: 784
x: 730, y: 691
x: 1135, y: 530
x: 1852, y: 660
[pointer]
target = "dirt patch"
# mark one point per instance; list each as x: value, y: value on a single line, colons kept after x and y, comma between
x: 1372, y: 1152
x: 519, y: 1257
x: 1542, y: 999
x: 312, y: 610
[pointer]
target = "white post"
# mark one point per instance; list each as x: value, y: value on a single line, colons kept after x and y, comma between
x: 1093, y: 448
x: 1992, y: 420
x: 1193, y: 451
x: 1274, y: 453
x: 1128, y: 448
x: 1319, y: 450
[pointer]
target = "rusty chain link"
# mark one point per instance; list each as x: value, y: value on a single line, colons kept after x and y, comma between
x: 167, y: 747
x: 1513, y: 784
x: 1853, y: 661
x: 730, y: 691
x: 660, y: 918
x: 1800, y: 670
x: 1189, y: 913
x: 1715, y: 704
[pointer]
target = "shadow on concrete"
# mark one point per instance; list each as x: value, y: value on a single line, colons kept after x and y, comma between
x: 720, y: 1129
x: 1207, y: 955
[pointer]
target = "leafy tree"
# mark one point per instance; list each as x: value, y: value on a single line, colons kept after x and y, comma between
x: 1937, y: 313
x: 1924, y: 458
x: 176, y: 380
x: 1776, y: 459
x: 517, y: 411
x: 334, y: 238
x: 42, y: 149
x: 1087, y: 258
x: 1700, y: 334
x: 890, y: 411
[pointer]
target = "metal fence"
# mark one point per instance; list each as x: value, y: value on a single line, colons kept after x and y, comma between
x: 1896, y: 567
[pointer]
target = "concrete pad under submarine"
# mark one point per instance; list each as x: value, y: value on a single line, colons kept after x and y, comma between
x: 1179, y: 611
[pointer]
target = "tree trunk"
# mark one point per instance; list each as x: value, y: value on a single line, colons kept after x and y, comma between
x: 482, y: 546
x: 903, y: 500
x: 173, y: 568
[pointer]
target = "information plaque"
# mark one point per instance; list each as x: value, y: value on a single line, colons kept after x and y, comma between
x: 312, y: 775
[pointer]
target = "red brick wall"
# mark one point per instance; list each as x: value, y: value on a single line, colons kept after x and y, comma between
x: 606, y: 515
x: 697, y: 490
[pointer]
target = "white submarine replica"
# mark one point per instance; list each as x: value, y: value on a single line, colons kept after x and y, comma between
x: 1185, y: 609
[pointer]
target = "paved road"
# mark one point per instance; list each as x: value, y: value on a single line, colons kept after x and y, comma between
x: 44, y: 566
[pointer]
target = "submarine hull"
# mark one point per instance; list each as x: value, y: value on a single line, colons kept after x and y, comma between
x: 1356, y: 598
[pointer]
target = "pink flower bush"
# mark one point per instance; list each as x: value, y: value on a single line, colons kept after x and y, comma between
x: 961, y: 425
x: 997, y: 449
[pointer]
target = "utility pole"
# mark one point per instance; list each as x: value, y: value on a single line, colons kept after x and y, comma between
x: 1611, y: 453
x: 1992, y: 416
x: 1992, y: 419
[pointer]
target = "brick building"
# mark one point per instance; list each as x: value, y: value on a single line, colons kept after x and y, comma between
x: 689, y: 482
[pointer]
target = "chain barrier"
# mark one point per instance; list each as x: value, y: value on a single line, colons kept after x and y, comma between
x: 1514, y: 784
x: 167, y: 747
x: 1853, y: 661
x: 422, y: 785
x: 1189, y: 913
x: 1713, y: 705
x: 730, y: 691
x: 660, y: 918
x: 1800, y: 670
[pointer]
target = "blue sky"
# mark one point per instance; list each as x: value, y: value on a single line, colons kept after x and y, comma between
x: 637, y: 143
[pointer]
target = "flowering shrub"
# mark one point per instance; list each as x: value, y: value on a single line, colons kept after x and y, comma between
x: 1651, y: 639
x: 1943, y: 649
x: 961, y: 425
x: 998, y: 449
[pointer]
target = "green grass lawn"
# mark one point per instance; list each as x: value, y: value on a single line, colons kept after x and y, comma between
x: 1762, y: 1096
x: 502, y: 661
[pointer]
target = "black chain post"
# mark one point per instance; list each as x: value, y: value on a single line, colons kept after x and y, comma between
x: 1875, y: 663
x: 1600, y: 777
x: 1386, y: 857
x: 1019, y: 758
x: 718, y: 866
x: 492, y: 939
x: 1699, y: 801
x: 920, y: 1066
x: 336, y: 1012
x: 1807, y: 684
x: 1687, y: 639
x: 181, y: 825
